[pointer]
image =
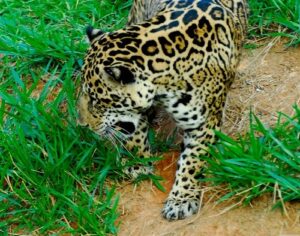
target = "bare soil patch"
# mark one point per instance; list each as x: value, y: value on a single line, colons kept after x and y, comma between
x: 268, y: 82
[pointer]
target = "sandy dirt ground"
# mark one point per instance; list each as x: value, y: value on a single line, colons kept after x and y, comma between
x: 268, y: 81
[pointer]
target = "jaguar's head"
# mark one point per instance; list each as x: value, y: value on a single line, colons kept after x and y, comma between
x: 114, y: 92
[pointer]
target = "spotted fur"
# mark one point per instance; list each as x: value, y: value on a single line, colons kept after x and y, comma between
x: 183, y: 55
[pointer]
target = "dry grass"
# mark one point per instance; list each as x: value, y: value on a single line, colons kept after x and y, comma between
x: 267, y: 82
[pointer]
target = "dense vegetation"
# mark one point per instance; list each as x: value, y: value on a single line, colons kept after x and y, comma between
x: 52, y: 172
x: 264, y: 160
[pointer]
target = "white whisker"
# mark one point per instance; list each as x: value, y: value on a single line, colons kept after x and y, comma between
x: 120, y: 138
x: 118, y: 134
x: 111, y: 139
x: 122, y: 132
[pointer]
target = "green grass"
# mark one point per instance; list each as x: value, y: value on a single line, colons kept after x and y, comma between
x: 275, y: 18
x: 265, y: 160
x: 53, y: 173
x: 42, y: 31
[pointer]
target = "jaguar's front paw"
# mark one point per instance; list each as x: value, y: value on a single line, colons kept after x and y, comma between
x: 175, y: 209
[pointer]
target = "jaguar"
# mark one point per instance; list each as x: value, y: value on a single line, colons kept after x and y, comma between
x: 179, y: 54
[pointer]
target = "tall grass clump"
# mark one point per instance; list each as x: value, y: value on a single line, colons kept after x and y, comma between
x: 275, y: 18
x: 265, y: 160
x: 41, y: 31
x: 52, y: 173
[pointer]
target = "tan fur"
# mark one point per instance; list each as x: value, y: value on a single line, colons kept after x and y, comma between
x: 181, y: 54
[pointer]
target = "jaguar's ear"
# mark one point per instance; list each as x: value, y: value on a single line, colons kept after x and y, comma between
x: 120, y: 74
x: 92, y: 33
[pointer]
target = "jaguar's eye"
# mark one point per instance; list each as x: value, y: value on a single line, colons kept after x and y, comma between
x: 120, y: 74
x: 109, y: 71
